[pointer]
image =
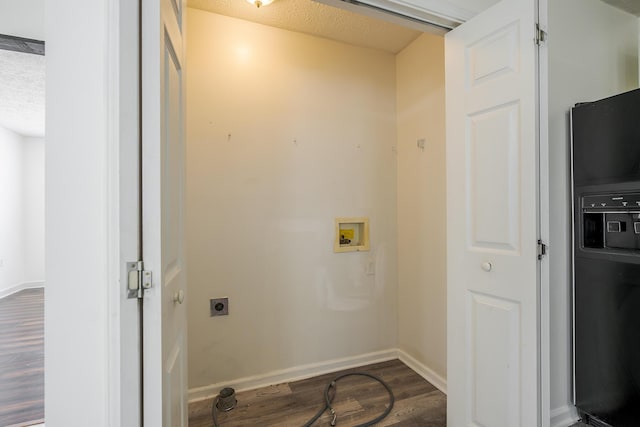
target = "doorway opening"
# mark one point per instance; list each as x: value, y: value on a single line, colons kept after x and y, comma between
x: 299, y: 114
x: 22, y: 145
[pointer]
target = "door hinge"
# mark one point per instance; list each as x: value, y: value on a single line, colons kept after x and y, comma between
x: 542, y: 249
x: 137, y: 279
x: 541, y: 35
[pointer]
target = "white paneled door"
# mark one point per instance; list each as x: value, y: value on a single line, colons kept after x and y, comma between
x: 163, y: 143
x: 492, y: 209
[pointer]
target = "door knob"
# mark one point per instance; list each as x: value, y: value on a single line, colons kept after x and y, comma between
x: 486, y: 266
x: 178, y: 297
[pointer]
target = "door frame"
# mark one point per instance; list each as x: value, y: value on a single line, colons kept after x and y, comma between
x: 123, y: 128
x: 543, y: 177
x: 121, y: 165
x: 89, y: 47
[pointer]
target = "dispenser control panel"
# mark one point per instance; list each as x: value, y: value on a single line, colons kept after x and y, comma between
x: 611, y: 201
x: 611, y: 221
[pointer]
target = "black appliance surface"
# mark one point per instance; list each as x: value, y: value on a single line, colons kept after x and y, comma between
x: 606, y: 136
x: 606, y: 252
x: 607, y: 341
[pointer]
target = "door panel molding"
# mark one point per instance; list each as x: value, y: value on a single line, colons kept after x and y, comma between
x: 494, y: 341
x: 494, y: 55
x: 493, y: 165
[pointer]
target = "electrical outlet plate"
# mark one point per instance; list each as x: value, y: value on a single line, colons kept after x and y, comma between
x: 371, y: 268
x: 219, y: 306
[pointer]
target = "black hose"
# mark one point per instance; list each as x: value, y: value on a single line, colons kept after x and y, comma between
x: 327, y: 402
x: 214, y: 412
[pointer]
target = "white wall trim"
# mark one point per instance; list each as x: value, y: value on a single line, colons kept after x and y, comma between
x: 563, y: 416
x: 122, y: 220
x: 112, y: 293
x: 292, y: 374
x: 421, y: 8
x: 437, y: 380
x: 314, y: 369
x: 20, y: 287
x: 419, y: 18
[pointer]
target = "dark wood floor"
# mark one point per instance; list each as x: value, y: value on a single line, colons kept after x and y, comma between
x: 358, y: 399
x: 22, y: 358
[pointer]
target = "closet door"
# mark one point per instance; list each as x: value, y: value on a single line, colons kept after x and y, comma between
x: 493, y: 217
x: 164, y: 308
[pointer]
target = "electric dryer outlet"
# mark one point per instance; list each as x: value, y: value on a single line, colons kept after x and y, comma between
x: 219, y: 306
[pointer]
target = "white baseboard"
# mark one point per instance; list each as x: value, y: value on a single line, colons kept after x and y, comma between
x: 563, y: 416
x: 423, y: 371
x: 20, y: 287
x: 311, y: 370
x: 292, y: 374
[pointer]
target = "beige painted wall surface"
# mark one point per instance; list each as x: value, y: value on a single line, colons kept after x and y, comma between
x: 285, y: 132
x: 593, y: 53
x: 422, y: 287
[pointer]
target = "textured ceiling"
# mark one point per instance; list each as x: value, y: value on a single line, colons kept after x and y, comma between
x: 22, y: 92
x: 309, y: 17
x: 631, y: 6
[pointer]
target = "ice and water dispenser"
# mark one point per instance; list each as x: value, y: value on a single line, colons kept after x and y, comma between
x: 611, y: 221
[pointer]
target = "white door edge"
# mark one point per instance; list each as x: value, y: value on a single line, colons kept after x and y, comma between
x: 123, y: 193
x: 543, y: 143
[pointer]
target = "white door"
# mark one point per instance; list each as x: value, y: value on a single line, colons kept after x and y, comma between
x: 492, y: 214
x: 164, y: 308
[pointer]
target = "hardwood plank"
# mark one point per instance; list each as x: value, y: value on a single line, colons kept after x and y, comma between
x: 427, y: 410
x: 22, y: 358
x: 358, y: 399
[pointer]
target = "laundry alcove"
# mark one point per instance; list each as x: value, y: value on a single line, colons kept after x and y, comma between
x: 287, y: 131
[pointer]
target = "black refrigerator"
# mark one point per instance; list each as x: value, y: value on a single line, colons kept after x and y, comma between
x: 606, y: 259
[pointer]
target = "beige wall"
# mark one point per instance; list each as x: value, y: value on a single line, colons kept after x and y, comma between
x: 593, y: 53
x: 286, y: 132
x: 422, y: 287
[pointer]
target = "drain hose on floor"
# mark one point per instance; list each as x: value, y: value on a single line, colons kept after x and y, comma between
x: 328, y: 398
